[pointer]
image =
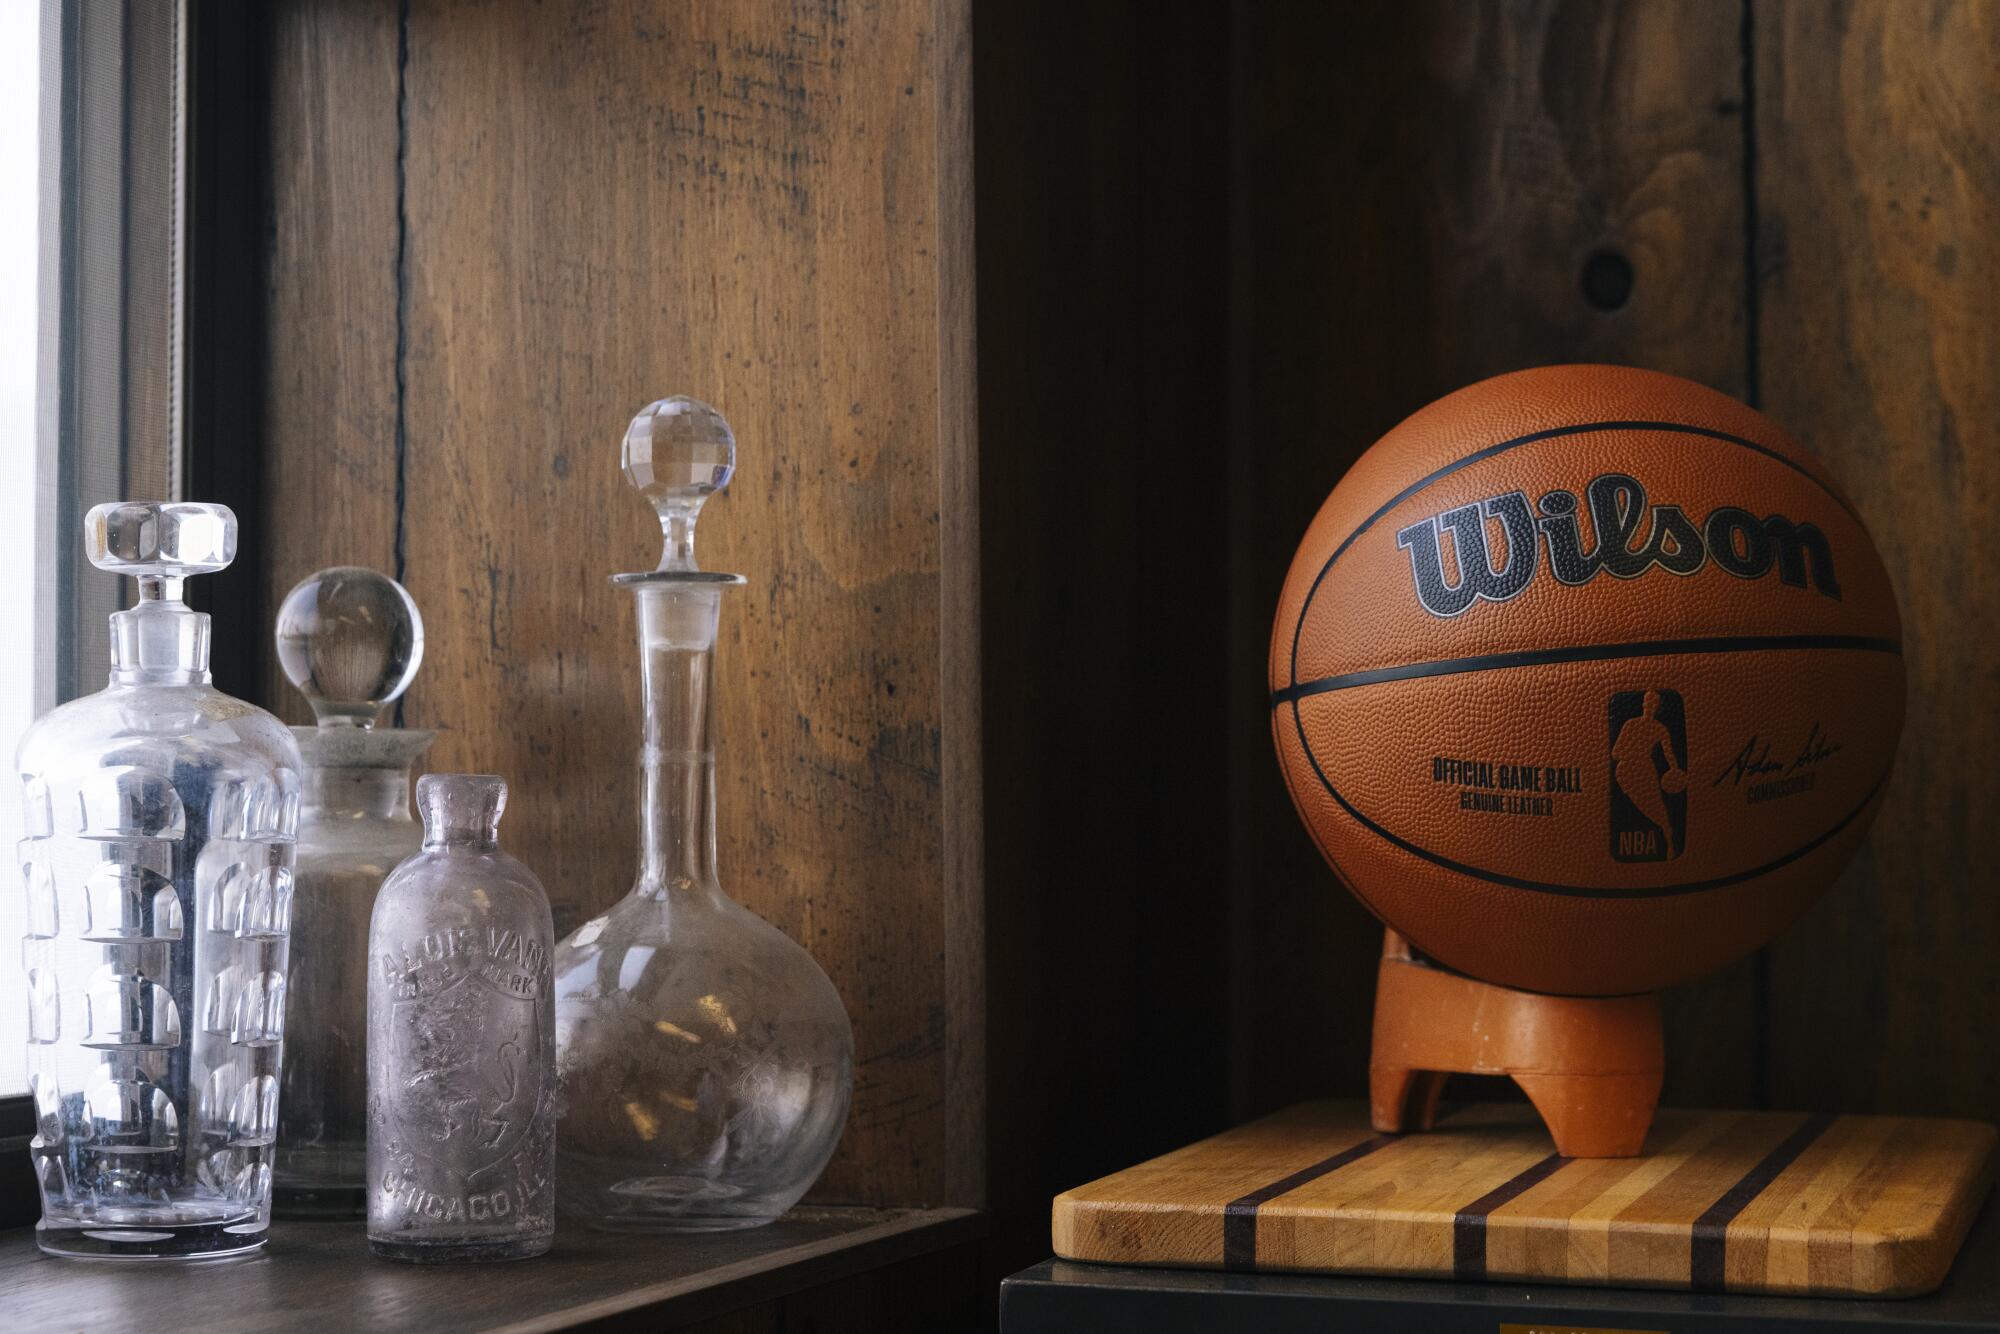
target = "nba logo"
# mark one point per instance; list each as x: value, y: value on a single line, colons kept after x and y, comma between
x: 1648, y: 737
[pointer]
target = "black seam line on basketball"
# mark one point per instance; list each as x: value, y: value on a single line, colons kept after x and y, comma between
x: 1650, y: 648
x: 1554, y: 432
x: 1468, y: 1225
x: 1239, y: 1216
x: 1708, y: 1243
x: 1572, y: 891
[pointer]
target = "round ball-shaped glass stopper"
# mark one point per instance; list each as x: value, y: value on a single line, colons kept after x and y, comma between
x: 351, y: 641
x: 677, y: 453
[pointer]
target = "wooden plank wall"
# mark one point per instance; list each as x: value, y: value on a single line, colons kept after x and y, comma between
x: 1102, y: 157
x: 1806, y: 194
x: 1878, y: 247
x: 1401, y: 199
x: 497, y: 231
x: 1219, y: 252
x: 1484, y: 156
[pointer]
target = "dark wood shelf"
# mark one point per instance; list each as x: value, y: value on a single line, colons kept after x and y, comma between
x: 321, y: 1276
x: 1064, y: 1297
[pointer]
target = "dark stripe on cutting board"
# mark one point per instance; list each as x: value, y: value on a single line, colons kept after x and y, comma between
x: 1468, y: 1225
x: 1239, y: 1216
x: 1708, y: 1246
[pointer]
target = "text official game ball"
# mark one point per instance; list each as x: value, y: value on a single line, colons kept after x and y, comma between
x: 1586, y: 679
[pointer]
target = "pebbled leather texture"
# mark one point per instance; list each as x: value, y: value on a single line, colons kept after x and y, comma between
x: 1610, y: 784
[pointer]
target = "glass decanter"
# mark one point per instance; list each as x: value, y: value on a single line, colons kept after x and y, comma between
x: 351, y: 641
x: 706, y: 1061
x: 158, y: 863
x: 461, y: 1054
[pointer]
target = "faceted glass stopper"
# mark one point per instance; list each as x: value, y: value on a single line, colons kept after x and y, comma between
x: 146, y: 539
x: 678, y: 452
x: 351, y: 641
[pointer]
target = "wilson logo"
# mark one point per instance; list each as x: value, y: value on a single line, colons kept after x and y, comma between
x: 1629, y: 538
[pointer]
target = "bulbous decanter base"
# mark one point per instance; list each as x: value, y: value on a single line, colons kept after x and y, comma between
x: 705, y: 1063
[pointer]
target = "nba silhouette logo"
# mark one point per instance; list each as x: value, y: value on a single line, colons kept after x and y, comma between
x: 1648, y: 737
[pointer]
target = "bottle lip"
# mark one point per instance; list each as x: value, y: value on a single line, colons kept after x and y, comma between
x: 461, y: 808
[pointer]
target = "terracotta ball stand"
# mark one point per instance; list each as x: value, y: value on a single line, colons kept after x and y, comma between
x: 1591, y: 1065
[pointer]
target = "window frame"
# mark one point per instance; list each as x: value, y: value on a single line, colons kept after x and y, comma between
x: 121, y: 413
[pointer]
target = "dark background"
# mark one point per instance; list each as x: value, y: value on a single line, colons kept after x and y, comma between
x: 1221, y: 250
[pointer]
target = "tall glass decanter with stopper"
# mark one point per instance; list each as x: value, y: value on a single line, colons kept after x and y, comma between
x: 351, y: 641
x: 705, y: 1059
x: 160, y: 816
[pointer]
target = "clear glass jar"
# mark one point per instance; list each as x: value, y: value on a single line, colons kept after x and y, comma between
x: 461, y: 1050
x: 706, y: 1060
x: 354, y: 827
x: 160, y: 816
x: 351, y: 641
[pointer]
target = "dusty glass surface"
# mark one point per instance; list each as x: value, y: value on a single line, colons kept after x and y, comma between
x: 160, y: 816
x: 706, y: 1060
x: 350, y: 640
x: 461, y: 1051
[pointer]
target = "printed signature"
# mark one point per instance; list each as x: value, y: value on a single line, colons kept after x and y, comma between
x: 1754, y: 760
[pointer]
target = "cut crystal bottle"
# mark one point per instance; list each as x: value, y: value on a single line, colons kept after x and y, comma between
x: 461, y: 1047
x: 160, y: 816
x: 351, y: 641
x: 706, y: 1060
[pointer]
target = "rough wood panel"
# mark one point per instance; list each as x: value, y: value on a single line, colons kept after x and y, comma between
x: 1425, y: 185
x: 1878, y: 179
x: 608, y: 202
x: 1103, y: 464
x: 961, y: 772
x: 1720, y: 1201
x: 330, y: 389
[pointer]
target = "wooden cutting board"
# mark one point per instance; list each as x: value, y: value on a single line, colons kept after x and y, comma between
x: 1721, y: 1201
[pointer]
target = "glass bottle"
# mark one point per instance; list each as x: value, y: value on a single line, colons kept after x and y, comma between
x: 351, y: 641
x: 706, y: 1061
x: 461, y: 1052
x: 158, y: 865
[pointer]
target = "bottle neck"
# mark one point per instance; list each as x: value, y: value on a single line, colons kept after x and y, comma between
x: 357, y: 772
x: 160, y: 641
x: 676, y: 756
x: 381, y: 794
x: 460, y: 840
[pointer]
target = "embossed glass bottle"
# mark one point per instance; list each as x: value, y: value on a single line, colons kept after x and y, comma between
x: 461, y: 1042
x: 158, y: 863
x: 706, y: 1060
x: 351, y: 641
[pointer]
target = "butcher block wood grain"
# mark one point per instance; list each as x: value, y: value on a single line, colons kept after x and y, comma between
x: 500, y: 230
x: 1772, y: 1202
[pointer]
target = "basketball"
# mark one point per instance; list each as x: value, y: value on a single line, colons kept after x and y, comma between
x: 1586, y: 679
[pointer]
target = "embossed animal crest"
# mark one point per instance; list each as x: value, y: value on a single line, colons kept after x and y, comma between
x: 473, y: 1047
x: 1733, y: 539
